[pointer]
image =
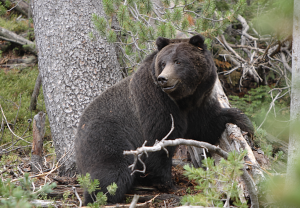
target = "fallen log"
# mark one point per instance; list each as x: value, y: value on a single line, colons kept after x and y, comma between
x: 15, y: 38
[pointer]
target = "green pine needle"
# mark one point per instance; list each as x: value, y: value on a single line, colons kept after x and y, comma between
x: 185, y: 23
x: 100, y: 24
x: 111, y: 36
x: 122, y: 15
x: 108, y: 7
x: 177, y: 15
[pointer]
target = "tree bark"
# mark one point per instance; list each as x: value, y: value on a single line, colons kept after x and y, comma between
x: 294, y: 141
x: 74, y: 68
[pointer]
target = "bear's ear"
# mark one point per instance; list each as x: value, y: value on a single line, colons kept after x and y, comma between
x: 162, y: 42
x: 197, y: 40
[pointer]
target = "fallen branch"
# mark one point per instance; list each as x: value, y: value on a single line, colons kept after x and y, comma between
x: 136, y: 205
x: 20, y: 6
x: 37, y: 143
x: 13, y: 37
x: 134, y: 201
x: 161, y: 145
x: 77, y: 196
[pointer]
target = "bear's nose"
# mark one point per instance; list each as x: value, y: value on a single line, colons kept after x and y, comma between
x: 162, y: 80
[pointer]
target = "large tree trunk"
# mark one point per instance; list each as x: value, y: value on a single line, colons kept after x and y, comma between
x: 74, y: 68
x: 294, y: 142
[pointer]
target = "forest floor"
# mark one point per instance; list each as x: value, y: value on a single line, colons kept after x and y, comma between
x: 63, y: 194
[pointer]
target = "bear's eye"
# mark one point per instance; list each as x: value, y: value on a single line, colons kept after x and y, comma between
x: 163, y: 65
x: 177, y: 62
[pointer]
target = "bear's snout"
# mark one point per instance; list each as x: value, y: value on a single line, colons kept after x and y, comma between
x: 162, y: 80
x: 167, y: 79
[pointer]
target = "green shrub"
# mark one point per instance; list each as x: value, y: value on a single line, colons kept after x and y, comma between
x: 140, y: 23
x: 21, y: 195
x: 222, y: 176
x: 93, y: 185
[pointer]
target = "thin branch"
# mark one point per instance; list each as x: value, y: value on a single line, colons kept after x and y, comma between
x: 10, y: 128
x: 77, y: 196
x: 14, y: 6
x: 246, y: 28
x: 230, y: 49
x: 134, y: 201
x: 272, y: 104
x: 285, y: 62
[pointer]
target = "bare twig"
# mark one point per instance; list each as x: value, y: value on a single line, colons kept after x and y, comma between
x: 285, y: 62
x: 246, y: 28
x: 14, y: 6
x: 10, y: 128
x: 77, y: 196
x: 137, y: 205
x: 230, y: 49
x: 189, y: 142
x: 134, y: 201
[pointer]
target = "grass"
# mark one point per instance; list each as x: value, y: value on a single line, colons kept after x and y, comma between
x: 16, y: 88
x: 11, y: 23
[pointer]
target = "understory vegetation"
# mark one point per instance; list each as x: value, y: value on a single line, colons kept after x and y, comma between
x: 254, y: 70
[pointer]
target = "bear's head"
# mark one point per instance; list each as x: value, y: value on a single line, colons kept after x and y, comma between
x: 184, y: 67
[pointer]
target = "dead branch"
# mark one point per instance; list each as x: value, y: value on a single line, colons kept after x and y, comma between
x: 13, y: 37
x: 134, y: 201
x: 49, y: 203
x: 18, y: 63
x: 35, y: 93
x: 37, y: 143
x: 230, y: 49
x: 257, y: 57
x: 21, y: 6
x: 77, y: 196
x: 160, y: 145
x: 246, y: 46
x: 137, y: 205
x: 286, y: 65
x: 246, y: 28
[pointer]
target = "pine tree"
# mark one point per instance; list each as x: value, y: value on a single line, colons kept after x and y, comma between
x: 137, y: 33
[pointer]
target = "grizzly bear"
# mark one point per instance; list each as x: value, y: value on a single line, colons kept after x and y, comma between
x: 176, y: 79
